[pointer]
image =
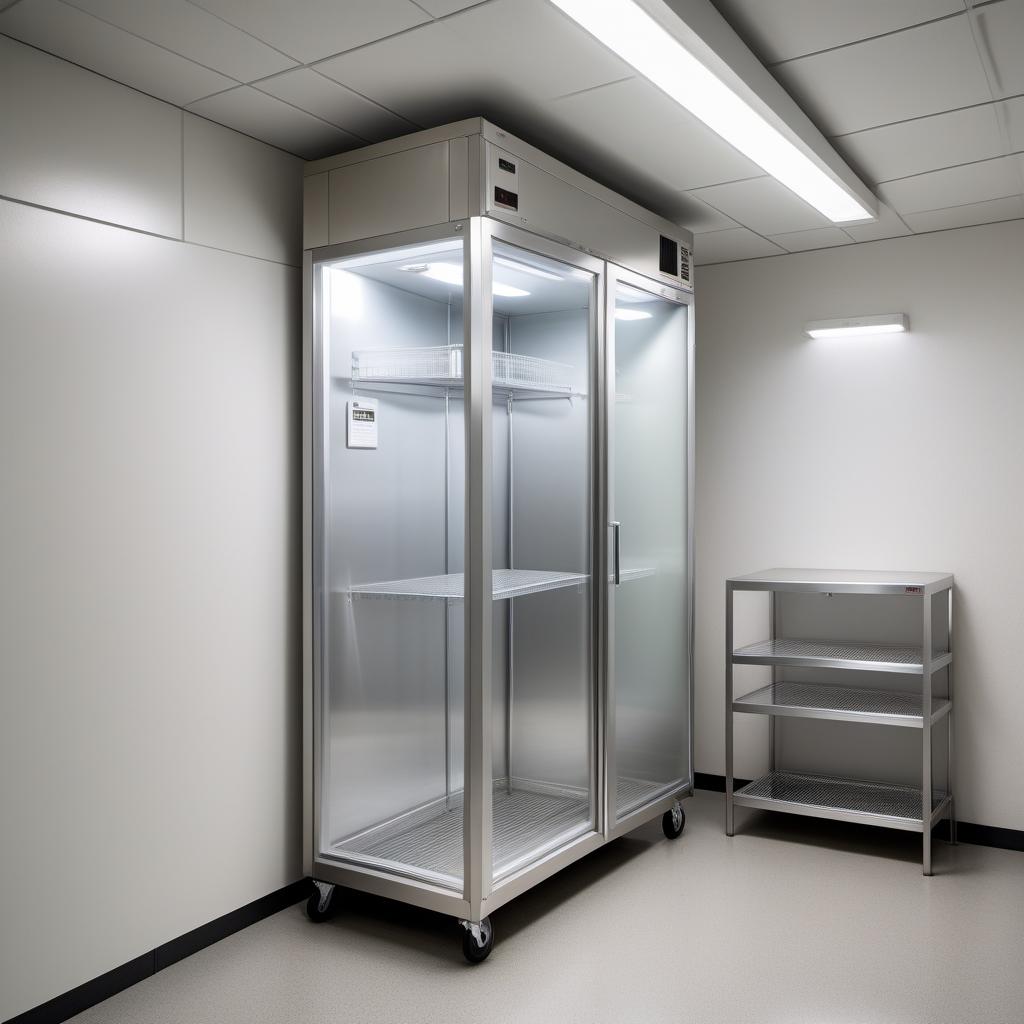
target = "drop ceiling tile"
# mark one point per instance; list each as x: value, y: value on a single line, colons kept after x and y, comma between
x: 1008, y: 208
x: 439, y: 8
x: 194, y: 33
x: 1012, y: 113
x: 503, y: 56
x: 327, y: 99
x: 268, y: 119
x: 888, y: 225
x: 763, y: 205
x: 734, y: 244
x: 85, y: 40
x: 781, y: 29
x: 309, y: 30
x: 1002, y: 31
x: 819, y: 238
x: 954, y: 186
x: 700, y: 218
x: 922, y: 71
x: 927, y: 144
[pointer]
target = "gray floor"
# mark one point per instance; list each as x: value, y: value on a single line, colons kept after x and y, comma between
x: 791, y: 921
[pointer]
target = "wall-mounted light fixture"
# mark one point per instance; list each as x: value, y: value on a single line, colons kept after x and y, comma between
x: 858, y: 326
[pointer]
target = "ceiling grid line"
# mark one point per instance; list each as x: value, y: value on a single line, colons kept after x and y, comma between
x: 866, y: 39
x: 152, y: 42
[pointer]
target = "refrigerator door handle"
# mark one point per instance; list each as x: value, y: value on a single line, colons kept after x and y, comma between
x: 616, y: 548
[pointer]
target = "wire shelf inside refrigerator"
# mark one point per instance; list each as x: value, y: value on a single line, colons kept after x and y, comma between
x: 505, y: 583
x: 442, y: 366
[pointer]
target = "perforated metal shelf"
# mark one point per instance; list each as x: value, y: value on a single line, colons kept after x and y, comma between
x: 840, y: 703
x: 871, y: 803
x: 506, y: 583
x: 837, y: 654
x: 526, y: 825
x: 441, y: 366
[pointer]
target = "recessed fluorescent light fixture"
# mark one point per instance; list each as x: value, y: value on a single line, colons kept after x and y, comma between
x: 640, y: 41
x: 631, y: 314
x: 449, y: 273
x: 858, y: 326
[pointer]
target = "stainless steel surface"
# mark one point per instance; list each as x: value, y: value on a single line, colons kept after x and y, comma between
x: 903, y: 658
x: 730, y: 816
x: 616, y: 552
x: 822, y: 796
x: 505, y: 584
x: 872, y: 803
x: 845, y: 581
x: 926, y: 735
x: 553, y: 683
x: 527, y: 824
x: 478, y: 323
x: 839, y: 703
x: 949, y: 720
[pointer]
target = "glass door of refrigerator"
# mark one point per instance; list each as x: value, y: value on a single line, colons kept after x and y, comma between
x: 543, y: 704
x: 649, y: 704
x: 390, y: 489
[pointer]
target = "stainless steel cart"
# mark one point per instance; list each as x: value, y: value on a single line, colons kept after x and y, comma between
x: 499, y: 374
x: 915, y: 809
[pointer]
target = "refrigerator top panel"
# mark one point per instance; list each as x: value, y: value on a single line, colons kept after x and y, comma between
x: 473, y: 168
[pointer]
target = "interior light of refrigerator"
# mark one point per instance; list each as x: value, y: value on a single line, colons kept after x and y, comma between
x: 527, y: 268
x: 640, y: 41
x: 449, y: 273
x: 631, y: 314
x: 858, y: 326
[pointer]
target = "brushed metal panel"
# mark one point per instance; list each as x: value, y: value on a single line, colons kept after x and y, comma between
x: 393, y: 193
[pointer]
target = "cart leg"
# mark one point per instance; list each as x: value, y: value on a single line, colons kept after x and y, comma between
x: 729, y: 813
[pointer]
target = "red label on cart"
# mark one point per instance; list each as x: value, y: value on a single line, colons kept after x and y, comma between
x: 913, y: 590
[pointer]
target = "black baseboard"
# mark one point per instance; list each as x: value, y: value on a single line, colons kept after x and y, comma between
x: 64, y: 1006
x: 966, y: 831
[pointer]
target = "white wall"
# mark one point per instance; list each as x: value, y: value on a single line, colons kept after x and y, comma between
x: 900, y: 452
x: 149, y: 523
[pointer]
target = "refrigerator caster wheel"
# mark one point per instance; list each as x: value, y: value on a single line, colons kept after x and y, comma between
x: 673, y: 821
x: 320, y: 905
x: 477, y: 940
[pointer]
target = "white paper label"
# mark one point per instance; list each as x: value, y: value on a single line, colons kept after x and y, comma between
x: 362, y: 423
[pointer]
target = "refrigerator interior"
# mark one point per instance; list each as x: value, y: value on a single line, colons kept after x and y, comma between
x: 393, y: 733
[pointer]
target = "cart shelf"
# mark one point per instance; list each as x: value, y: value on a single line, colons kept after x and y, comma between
x: 839, y: 703
x: 818, y: 796
x: 505, y: 583
x: 838, y: 654
x: 441, y: 366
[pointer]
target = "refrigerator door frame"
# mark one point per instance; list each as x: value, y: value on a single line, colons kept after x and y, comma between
x: 547, y: 865
x: 615, y: 275
x: 346, y: 870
